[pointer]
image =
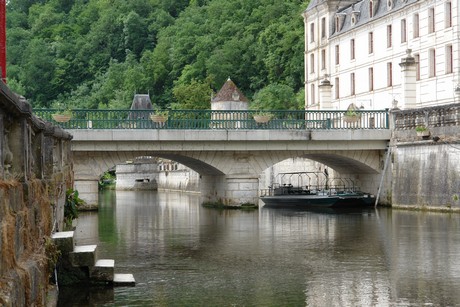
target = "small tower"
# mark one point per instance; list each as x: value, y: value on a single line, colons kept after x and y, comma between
x: 228, y: 99
x: 140, y: 102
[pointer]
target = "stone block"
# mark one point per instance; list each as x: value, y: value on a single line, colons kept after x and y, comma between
x: 35, y: 281
x: 124, y: 280
x: 103, y: 270
x: 64, y: 241
x: 83, y: 255
x: 19, y: 234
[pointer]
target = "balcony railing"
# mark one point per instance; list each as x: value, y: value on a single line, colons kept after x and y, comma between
x: 437, y: 116
x: 226, y: 120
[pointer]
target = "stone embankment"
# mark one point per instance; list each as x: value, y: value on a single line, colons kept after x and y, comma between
x: 35, y: 172
x: 426, y: 158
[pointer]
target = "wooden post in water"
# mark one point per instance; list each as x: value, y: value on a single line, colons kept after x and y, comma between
x: 383, y: 176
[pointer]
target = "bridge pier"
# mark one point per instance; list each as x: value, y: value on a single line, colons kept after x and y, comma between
x: 232, y: 190
x: 88, y: 189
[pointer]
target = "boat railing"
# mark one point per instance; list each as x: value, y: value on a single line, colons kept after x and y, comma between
x: 323, y: 189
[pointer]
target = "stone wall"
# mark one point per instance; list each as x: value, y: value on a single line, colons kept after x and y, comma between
x: 137, y: 176
x: 35, y: 172
x: 181, y: 179
x: 426, y: 169
x: 427, y: 175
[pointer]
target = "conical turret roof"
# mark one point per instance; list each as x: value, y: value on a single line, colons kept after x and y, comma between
x: 229, y: 92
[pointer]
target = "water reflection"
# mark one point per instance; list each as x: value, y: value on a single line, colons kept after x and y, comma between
x: 182, y: 254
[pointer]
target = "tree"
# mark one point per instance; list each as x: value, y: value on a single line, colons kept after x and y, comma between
x: 275, y: 97
x: 196, y: 95
x: 99, y: 53
x: 39, y: 75
x: 135, y: 32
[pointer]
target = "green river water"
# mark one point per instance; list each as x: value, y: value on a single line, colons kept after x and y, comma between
x: 182, y: 254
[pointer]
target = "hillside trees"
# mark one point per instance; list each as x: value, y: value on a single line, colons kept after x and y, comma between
x: 98, y: 53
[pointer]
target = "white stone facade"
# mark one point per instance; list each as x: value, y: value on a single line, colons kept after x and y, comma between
x: 137, y: 176
x: 175, y: 176
x: 358, y: 47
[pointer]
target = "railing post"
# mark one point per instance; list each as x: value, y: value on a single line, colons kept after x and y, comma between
x: 389, y: 125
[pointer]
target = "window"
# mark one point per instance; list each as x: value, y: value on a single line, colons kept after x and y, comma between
x: 416, y: 26
x: 312, y: 32
x: 337, y: 57
x: 389, y: 36
x: 312, y: 94
x: 403, y: 31
x: 337, y: 87
x: 371, y: 42
x: 448, y: 14
x: 449, y: 60
x: 371, y: 79
x: 352, y: 49
x: 323, y: 27
x: 337, y: 25
x: 371, y: 8
x: 312, y: 63
x: 417, y: 66
x: 389, y: 4
x: 432, y: 62
x: 323, y: 59
x: 352, y: 83
x: 389, y: 74
x: 431, y: 20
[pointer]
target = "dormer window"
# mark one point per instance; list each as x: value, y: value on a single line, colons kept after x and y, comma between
x: 373, y: 5
x: 339, y: 20
x: 354, y: 17
x: 389, y: 4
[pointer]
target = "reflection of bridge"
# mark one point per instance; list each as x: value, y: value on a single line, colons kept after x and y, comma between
x: 230, y: 160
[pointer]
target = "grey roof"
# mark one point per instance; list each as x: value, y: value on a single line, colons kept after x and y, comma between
x: 314, y: 3
x: 361, y: 8
x: 229, y: 92
x: 333, y: 4
x: 141, y: 102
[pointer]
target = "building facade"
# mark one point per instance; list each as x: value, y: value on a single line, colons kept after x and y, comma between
x: 380, y: 54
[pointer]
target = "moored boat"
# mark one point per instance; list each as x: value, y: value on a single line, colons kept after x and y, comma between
x: 320, y: 191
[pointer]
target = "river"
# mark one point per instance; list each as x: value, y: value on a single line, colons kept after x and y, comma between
x: 182, y: 254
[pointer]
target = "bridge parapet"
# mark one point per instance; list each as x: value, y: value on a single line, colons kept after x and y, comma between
x: 438, y: 116
x: 222, y: 120
x: 439, y: 122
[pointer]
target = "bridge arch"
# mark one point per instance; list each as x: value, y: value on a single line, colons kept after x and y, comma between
x: 225, y: 175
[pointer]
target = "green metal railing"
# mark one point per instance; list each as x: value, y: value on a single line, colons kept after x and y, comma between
x: 226, y: 120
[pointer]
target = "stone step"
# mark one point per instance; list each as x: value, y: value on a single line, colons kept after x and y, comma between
x: 123, y: 280
x: 103, y: 270
x: 83, y: 255
x: 63, y: 241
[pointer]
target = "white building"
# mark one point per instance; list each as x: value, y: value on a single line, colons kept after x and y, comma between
x: 356, y: 52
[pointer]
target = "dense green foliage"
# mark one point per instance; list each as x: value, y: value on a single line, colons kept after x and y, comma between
x: 98, y: 53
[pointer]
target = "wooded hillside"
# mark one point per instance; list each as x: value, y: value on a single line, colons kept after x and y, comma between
x: 99, y: 53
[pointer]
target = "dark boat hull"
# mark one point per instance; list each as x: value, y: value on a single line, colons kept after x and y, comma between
x: 318, y: 200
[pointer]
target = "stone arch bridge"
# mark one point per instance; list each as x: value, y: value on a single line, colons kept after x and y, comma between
x: 229, y: 161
